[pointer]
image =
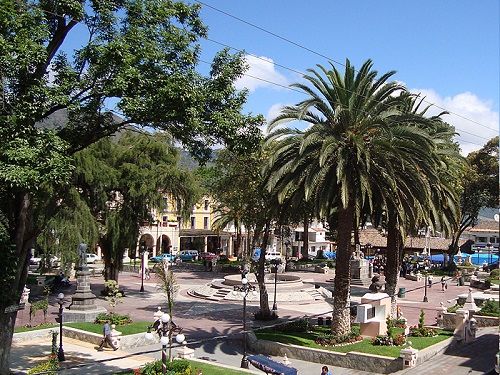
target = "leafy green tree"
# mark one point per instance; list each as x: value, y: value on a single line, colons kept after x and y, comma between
x: 136, y: 57
x: 345, y: 154
x: 479, y: 188
x: 240, y: 189
x: 121, y: 179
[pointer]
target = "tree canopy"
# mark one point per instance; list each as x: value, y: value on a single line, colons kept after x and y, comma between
x: 104, y: 65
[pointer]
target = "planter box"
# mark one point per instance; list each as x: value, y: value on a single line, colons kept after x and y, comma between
x: 354, y: 360
x: 482, y: 321
x: 126, y: 342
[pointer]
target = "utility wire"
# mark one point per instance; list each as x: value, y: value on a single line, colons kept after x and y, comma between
x: 324, y: 56
x: 301, y: 92
x: 294, y: 70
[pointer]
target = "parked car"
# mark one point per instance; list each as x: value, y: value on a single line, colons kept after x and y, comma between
x: 188, y: 255
x: 54, y: 261
x: 270, y: 255
x: 208, y: 256
x: 92, y: 258
x: 159, y: 258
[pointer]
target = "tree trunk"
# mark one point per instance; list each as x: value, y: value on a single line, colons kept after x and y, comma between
x: 305, y: 249
x: 7, y: 321
x: 393, y: 257
x: 265, y: 311
x: 341, y: 319
x: 237, y: 246
x: 14, y: 274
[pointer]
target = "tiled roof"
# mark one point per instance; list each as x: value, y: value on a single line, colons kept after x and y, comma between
x: 377, y: 239
x: 484, y: 226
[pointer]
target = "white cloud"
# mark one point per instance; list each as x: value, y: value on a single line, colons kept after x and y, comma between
x: 274, y: 111
x: 263, y: 68
x: 464, y: 106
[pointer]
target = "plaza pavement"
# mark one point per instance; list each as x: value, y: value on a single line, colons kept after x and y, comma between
x: 203, y: 320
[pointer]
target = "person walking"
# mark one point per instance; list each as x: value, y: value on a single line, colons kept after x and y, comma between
x: 106, y: 331
x: 325, y: 371
x: 444, y: 284
x: 429, y: 281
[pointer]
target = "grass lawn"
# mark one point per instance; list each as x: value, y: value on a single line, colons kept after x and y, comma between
x: 206, y: 369
x: 127, y: 329
x: 41, y: 326
x: 307, y: 339
x: 495, y: 281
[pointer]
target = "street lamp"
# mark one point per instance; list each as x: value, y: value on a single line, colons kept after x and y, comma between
x: 244, y: 289
x: 425, y: 286
x: 142, y: 252
x: 60, y: 352
x: 275, y: 263
x: 165, y: 328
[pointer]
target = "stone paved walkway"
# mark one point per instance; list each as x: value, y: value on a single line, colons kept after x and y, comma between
x: 203, y: 319
x: 474, y: 358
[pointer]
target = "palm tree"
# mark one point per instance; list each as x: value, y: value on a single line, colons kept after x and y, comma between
x: 425, y: 194
x: 349, y: 154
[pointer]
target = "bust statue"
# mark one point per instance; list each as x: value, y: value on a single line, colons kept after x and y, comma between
x: 376, y: 285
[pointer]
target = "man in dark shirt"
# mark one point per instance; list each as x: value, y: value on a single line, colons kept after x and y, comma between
x: 106, y: 331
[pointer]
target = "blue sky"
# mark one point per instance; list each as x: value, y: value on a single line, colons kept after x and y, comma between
x: 447, y: 49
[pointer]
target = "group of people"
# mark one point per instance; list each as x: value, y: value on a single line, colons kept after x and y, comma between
x: 378, y: 262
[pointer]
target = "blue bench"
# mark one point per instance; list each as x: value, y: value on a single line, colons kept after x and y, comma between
x: 269, y: 366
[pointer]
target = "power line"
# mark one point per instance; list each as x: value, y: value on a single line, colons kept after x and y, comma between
x: 325, y: 57
x: 301, y: 92
x: 291, y: 69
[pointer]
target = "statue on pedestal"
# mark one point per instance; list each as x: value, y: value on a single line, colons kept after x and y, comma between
x: 376, y: 285
x: 82, y: 255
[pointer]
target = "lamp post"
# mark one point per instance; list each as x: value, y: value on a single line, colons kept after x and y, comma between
x: 275, y: 263
x: 60, y: 352
x: 165, y: 328
x: 425, y: 286
x: 244, y: 289
x: 142, y: 252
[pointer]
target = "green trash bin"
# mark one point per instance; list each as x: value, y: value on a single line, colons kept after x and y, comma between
x: 461, y: 281
x: 402, y: 293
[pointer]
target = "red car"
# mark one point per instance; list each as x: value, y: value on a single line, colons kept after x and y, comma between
x: 208, y: 256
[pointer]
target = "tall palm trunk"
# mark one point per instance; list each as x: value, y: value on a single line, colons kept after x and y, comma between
x: 341, y: 320
x: 393, y: 260
x: 265, y: 311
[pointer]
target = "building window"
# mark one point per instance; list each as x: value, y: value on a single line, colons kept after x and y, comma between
x: 193, y: 222
x: 206, y: 204
x: 482, y: 239
x: 205, y: 223
x: 299, y: 236
x: 165, y: 221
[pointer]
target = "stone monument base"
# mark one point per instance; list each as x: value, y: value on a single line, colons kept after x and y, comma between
x: 79, y: 316
x: 360, y: 272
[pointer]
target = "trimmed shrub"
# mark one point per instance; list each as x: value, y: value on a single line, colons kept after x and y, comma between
x: 49, y: 367
x: 489, y: 308
x: 116, y: 319
x: 177, y: 367
x: 420, y: 330
x: 301, y: 325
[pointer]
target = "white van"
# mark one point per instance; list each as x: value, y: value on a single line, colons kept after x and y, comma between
x: 270, y: 255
